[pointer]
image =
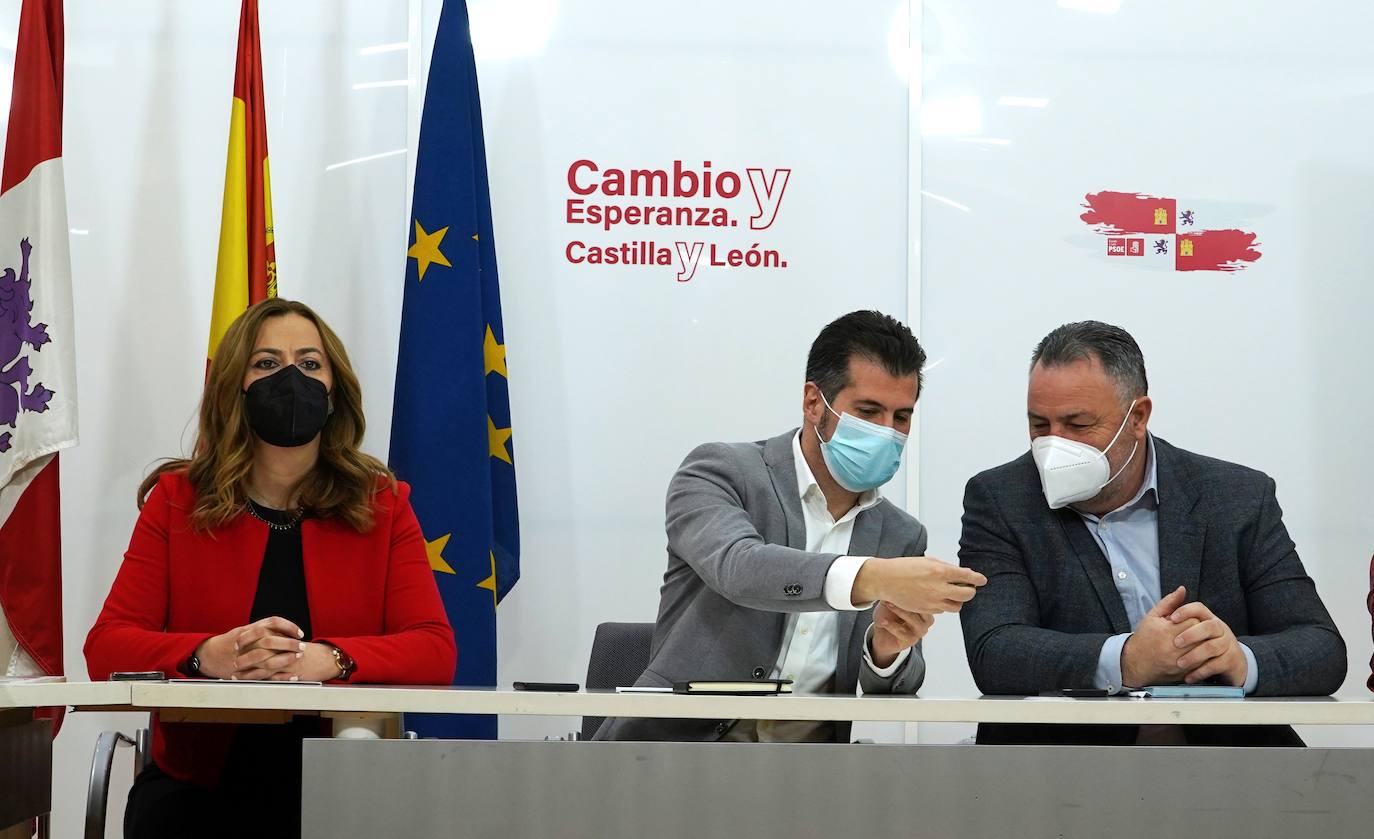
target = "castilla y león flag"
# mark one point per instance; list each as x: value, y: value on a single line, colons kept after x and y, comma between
x: 37, y: 350
x: 246, y: 272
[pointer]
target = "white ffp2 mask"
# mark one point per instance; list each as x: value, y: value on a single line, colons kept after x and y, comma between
x: 1071, y: 471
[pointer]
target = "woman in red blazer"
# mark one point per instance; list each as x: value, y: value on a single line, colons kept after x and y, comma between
x: 277, y: 551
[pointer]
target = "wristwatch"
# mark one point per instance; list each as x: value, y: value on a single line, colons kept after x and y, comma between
x: 191, y: 666
x: 345, y: 663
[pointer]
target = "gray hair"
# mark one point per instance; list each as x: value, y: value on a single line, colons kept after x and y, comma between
x: 1112, y: 346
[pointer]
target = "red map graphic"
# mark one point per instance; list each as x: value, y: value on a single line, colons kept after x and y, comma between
x: 1112, y: 214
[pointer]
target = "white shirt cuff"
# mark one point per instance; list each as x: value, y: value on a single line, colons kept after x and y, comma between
x: 882, y: 672
x: 1108, y: 675
x: 839, y: 583
x: 1251, y: 670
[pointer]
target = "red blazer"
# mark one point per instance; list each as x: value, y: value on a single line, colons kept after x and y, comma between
x: 371, y: 594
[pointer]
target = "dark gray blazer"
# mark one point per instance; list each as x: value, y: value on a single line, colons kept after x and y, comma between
x: 736, y: 565
x: 1050, y: 603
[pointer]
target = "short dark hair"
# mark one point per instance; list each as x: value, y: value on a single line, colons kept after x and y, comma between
x: 880, y: 338
x: 1112, y: 346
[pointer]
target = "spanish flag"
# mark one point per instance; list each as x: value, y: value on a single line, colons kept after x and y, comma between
x: 247, y: 269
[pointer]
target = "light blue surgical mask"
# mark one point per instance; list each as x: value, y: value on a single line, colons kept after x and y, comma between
x: 861, y: 455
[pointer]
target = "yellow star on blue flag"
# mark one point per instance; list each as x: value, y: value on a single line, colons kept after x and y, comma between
x: 435, y: 550
x: 426, y: 251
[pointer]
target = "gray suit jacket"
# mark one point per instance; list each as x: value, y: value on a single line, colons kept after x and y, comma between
x: 1050, y: 602
x: 736, y: 565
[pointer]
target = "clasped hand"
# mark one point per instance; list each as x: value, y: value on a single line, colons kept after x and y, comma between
x: 267, y: 649
x: 1178, y: 641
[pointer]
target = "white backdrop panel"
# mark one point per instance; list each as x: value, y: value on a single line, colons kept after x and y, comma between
x: 1256, y: 115
x: 616, y: 372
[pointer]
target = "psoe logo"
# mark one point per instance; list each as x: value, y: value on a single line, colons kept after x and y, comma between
x: 17, y: 329
x: 1122, y: 246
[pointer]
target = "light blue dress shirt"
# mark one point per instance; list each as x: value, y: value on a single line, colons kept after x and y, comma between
x: 1129, y: 538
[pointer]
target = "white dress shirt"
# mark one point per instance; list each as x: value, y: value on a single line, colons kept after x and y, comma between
x: 810, y: 643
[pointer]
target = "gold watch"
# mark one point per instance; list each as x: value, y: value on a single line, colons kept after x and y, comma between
x: 344, y: 662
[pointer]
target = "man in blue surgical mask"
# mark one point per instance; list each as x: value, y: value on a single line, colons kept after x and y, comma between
x: 1116, y: 560
x: 786, y: 562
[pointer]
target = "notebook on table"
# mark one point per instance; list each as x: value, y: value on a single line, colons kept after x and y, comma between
x: 750, y: 687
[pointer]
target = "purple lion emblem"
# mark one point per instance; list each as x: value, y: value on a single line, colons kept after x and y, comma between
x: 16, y: 330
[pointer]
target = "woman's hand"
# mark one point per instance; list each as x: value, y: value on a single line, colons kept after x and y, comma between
x: 260, y: 648
x: 315, y: 664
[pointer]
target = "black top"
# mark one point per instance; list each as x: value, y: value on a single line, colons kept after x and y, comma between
x: 261, y: 751
x: 281, y: 583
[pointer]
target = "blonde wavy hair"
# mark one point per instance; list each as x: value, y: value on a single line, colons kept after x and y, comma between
x: 344, y: 480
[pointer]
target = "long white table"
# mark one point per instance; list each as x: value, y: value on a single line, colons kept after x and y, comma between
x: 47, y: 694
x: 457, y: 700
x: 365, y: 699
x: 395, y: 788
x: 384, y: 788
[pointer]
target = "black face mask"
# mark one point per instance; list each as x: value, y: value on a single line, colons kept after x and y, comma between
x: 287, y: 408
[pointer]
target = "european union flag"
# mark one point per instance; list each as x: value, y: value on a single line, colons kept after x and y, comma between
x: 451, y: 424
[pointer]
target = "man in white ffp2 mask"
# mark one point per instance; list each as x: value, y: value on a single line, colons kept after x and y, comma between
x: 1116, y: 560
x: 1072, y: 471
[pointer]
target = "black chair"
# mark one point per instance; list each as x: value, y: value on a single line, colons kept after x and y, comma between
x: 620, y: 652
x: 98, y: 788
